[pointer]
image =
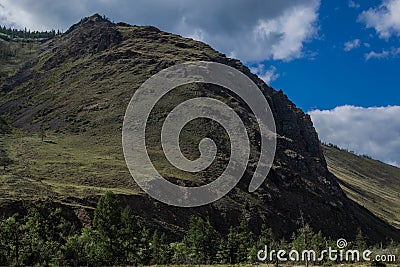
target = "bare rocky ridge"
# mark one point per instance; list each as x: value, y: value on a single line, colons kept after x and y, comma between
x: 83, y: 81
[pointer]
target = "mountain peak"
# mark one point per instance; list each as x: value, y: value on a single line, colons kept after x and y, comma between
x: 90, y: 35
x: 95, y: 19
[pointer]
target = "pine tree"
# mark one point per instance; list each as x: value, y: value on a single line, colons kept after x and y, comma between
x: 302, y: 239
x: 107, y: 223
x: 319, y: 243
x: 10, y: 241
x: 232, y: 246
x: 131, y: 235
x: 179, y: 253
x: 246, y: 241
x: 159, y: 249
x: 222, y: 253
x: 266, y: 238
x: 201, y: 241
x: 360, y: 243
x: 42, y: 132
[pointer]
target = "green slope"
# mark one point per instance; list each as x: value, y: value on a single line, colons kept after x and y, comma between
x: 14, y: 55
x: 371, y: 183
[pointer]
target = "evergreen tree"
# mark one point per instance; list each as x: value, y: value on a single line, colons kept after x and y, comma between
x: 45, y: 231
x: 107, y: 224
x: 246, y: 241
x: 232, y: 246
x: 74, y: 251
x: 131, y: 237
x: 159, y: 249
x: 201, y: 241
x: 302, y: 240
x: 42, y: 131
x: 252, y: 254
x: 222, y: 253
x: 179, y: 253
x: 360, y: 243
x: 266, y: 238
x: 10, y: 241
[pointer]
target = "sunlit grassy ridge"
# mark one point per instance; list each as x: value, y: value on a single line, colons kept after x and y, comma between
x: 64, y: 165
x: 371, y: 183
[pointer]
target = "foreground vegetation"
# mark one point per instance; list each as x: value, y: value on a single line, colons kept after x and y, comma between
x: 118, y: 237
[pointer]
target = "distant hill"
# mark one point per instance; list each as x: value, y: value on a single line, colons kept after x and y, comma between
x: 67, y: 103
x: 371, y: 183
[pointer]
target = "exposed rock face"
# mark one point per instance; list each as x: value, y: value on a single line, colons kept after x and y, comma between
x: 91, y: 35
x: 94, y: 69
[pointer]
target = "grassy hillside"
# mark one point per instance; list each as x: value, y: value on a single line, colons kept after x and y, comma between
x: 14, y: 55
x: 63, y: 165
x: 371, y: 183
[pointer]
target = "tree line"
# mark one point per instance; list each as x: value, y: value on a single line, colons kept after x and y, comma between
x: 10, y: 33
x: 346, y: 150
x: 118, y: 237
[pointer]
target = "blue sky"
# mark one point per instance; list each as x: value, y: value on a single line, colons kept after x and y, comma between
x: 335, y: 77
x: 337, y: 60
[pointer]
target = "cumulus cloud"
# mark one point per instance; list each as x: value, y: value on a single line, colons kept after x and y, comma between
x: 350, y: 45
x: 267, y: 75
x: 384, y: 19
x: 253, y: 30
x: 287, y: 32
x: 374, y: 131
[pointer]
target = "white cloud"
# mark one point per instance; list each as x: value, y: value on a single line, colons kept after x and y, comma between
x: 353, y: 4
x: 267, y: 75
x: 5, y: 17
x: 373, y: 131
x: 384, y: 19
x: 350, y: 45
x: 291, y: 30
x: 373, y: 54
x: 253, y: 30
x: 393, y: 52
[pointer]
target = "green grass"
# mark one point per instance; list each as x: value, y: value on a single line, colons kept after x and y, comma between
x: 83, y: 101
x: 64, y: 165
x: 14, y: 55
x: 369, y: 182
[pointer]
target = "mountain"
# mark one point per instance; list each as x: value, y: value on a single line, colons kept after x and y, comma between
x: 371, y: 183
x: 67, y: 106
